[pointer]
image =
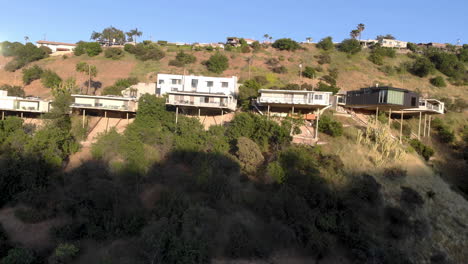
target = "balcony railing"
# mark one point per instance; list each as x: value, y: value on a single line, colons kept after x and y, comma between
x: 101, y: 106
x: 283, y: 100
x: 202, y: 104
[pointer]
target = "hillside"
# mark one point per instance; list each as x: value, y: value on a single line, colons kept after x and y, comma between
x: 354, y: 71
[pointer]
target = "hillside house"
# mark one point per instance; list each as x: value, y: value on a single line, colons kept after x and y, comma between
x: 23, y: 104
x: 56, y: 46
x: 139, y: 89
x: 236, y: 41
x: 198, y: 91
x: 104, y: 103
x: 368, y: 42
x: 382, y: 97
x: 393, y: 43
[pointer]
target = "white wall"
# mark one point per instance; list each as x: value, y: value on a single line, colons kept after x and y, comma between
x: 184, y: 83
x: 54, y: 47
x: 28, y: 105
x: 7, y: 103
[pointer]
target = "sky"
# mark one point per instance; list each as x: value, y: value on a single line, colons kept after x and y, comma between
x: 212, y: 21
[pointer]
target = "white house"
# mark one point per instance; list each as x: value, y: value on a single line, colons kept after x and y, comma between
x: 104, y: 102
x: 300, y: 99
x: 198, y: 91
x: 56, y: 46
x: 393, y: 43
x: 20, y: 104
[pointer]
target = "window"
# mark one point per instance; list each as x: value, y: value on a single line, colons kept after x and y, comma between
x: 176, y: 81
x: 318, y: 97
x: 224, y: 84
x: 194, y: 83
x: 161, y: 81
x: 209, y: 83
x: 382, y: 96
x: 207, y: 99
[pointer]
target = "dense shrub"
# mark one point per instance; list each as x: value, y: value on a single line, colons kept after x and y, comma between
x: 323, y: 87
x: 249, y: 155
x: 90, y: 48
x: 279, y: 69
x: 50, y: 79
x: 326, y: 44
x: 421, y: 67
x: 350, y: 46
x: 217, y: 63
x: 183, y: 59
x: 309, y: 72
x: 114, y: 53
x: 23, y: 54
x: 438, y: 81
x: 130, y: 48
x: 411, y: 197
x: 31, y: 74
x: 119, y: 86
x: 330, y: 126
x: 262, y: 80
x: 19, y: 256
x: 394, y: 173
x: 256, y: 46
x: 247, y: 91
x: 323, y: 58
x: 447, y: 63
x: 13, y: 90
x: 444, y: 133
x: 146, y: 51
x: 425, y: 151
x: 286, y: 44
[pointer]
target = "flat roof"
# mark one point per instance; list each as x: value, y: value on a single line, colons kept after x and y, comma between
x: 121, y: 98
x: 54, y: 43
x: 291, y: 91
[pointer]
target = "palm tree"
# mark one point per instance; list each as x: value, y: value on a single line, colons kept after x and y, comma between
x: 309, y: 39
x: 354, y: 33
x: 360, y: 28
x: 96, y: 35
x: 26, y: 39
x: 135, y: 33
x: 266, y: 36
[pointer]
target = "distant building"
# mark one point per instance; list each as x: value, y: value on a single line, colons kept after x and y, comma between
x: 393, y: 43
x: 236, y: 41
x: 368, y: 42
x: 23, y: 104
x: 56, y: 46
x: 198, y: 91
x: 104, y: 103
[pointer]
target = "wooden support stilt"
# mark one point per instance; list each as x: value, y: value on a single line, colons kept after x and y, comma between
x: 377, y: 113
x: 401, y: 126
x: 176, y: 114
x: 21, y: 114
x: 199, y: 110
x: 3, y: 115
x: 419, y: 126
x: 317, y: 125
x: 425, y: 125
x: 292, y: 111
x: 429, y: 128
x: 84, y: 116
x: 390, y: 118
x: 127, y: 119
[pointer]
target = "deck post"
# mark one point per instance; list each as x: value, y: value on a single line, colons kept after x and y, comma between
x: 268, y: 112
x: 222, y: 116
x: 176, y: 114
x: 199, y: 110
x: 84, y: 116
x: 21, y: 114
x: 3, y: 115
x: 429, y: 128
x: 425, y: 124
x: 127, y: 119
x: 419, y: 126
x: 377, y: 113
x: 389, y: 117
x: 107, y: 120
x: 317, y: 125
x: 401, y: 125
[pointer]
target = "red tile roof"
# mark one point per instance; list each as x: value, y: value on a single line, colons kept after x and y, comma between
x: 54, y: 43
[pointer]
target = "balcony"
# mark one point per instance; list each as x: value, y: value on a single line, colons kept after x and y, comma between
x: 292, y: 101
x: 101, y: 106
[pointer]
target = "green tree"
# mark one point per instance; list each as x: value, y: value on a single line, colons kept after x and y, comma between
x: 64, y: 253
x: 182, y: 59
x: 114, y: 53
x: 381, y: 37
x: 354, y: 33
x: 134, y: 33
x: 361, y: 27
x: 31, y: 74
x: 50, y: 79
x: 90, y: 48
x: 286, y: 44
x: 249, y: 155
x: 113, y: 35
x: 309, y: 72
x: 247, y: 91
x: 19, y: 256
x: 350, y: 46
x: 438, y: 81
x: 330, y: 126
x: 326, y: 44
x: 217, y: 63
x: 88, y: 69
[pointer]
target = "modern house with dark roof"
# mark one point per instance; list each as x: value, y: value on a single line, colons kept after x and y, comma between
x: 383, y: 98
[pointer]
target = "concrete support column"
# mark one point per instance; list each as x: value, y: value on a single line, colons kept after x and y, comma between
x: 176, y: 114
x: 425, y: 125
x: 317, y: 125
x: 429, y: 128
x: 21, y: 114
x: 268, y: 112
x: 401, y: 126
x: 127, y: 119
x: 419, y: 126
x: 222, y: 117
x: 3, y: 115
x: 292, y: 111
x: 107, y: 120
x: 84, y: 117
x: 390, y: 118
x: 199, y: 110
x: 377, y: 113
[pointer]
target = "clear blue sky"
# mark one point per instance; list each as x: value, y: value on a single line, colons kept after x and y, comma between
x: 212, y: 21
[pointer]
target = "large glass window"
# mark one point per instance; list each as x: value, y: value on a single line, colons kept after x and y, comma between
x: 395, y: 97
x: 224, y: 84
x: 176, y: 81
x: 209, y: 83
x: 194, y: 83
